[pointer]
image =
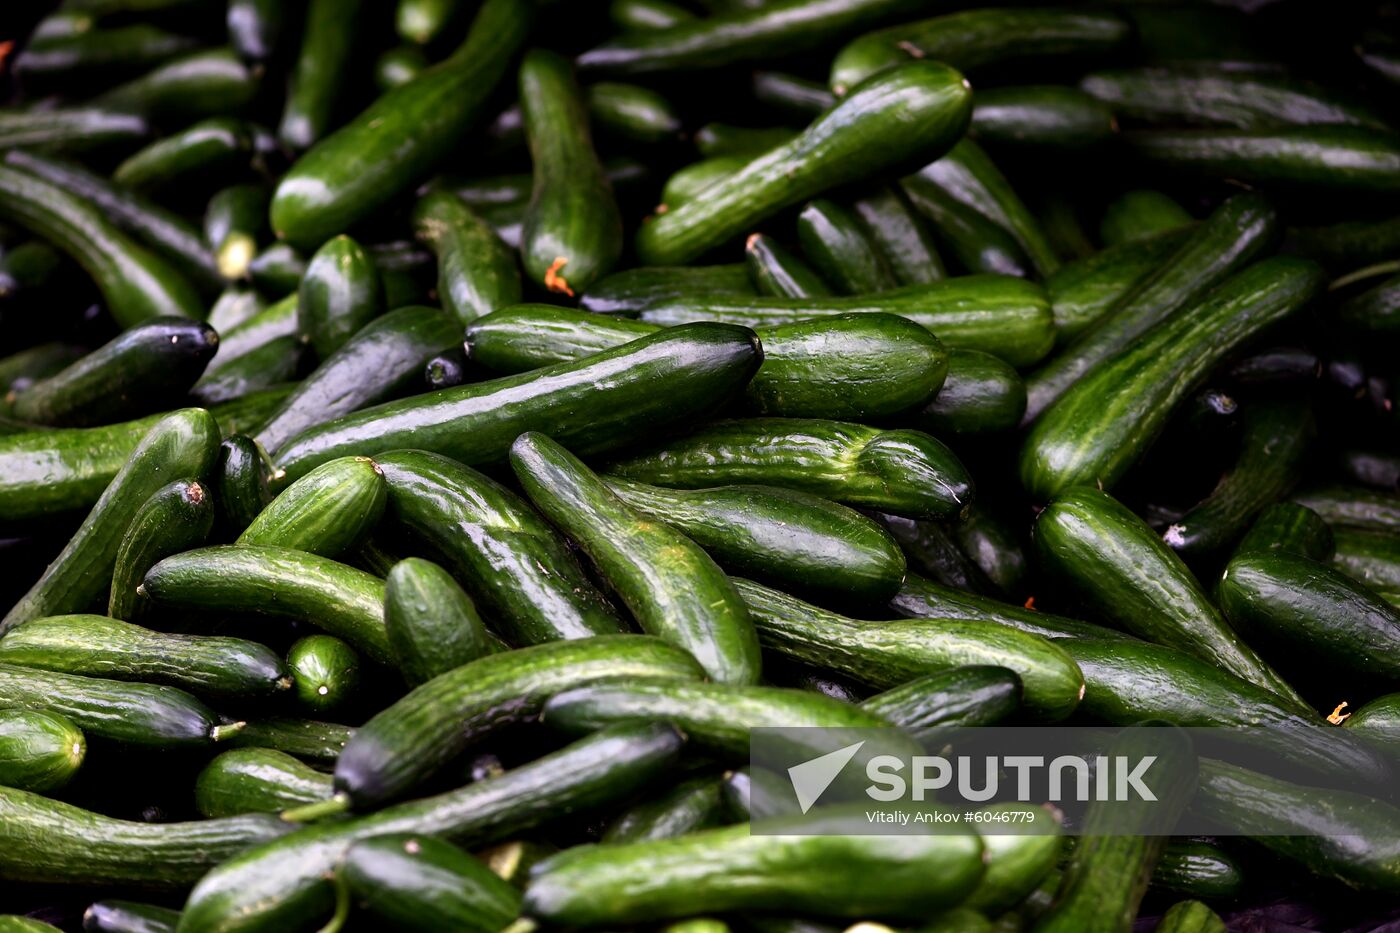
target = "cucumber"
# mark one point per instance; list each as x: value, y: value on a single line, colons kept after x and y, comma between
x: 787, y: 537
x: 135, y: 372
x: 423, y: 883
x: 1372, y: 557
x: 691, y: 805
x: 1353, y: 505
x: 180, y: 444
x: 905, y: 472
x: 234, y: 220
x: 397, y: 66
x: 1041, y: 117
x: 923, y: 599
x: 285, y: 886
x: 634, y: 290
x: 98, y: 53
x: 512, y: 562
x: 976, y: 695
x: 1084, y: 438
x: 317, y: 742
x: 995, y: 548
x: 1083, y: 290
x: 313, y: 91
x: 72, y: 129
x: 207, y: 83
x: 256, y: 780
x: 20, y: 370
x: 1140, y: 214
x: 49, y: 842
x: 339, y: 294
x: 933, y: 549
x: 395, y: 141
x: 1191, y: 917
x: 327, y: 512
x: 1378, y: 721
x: 433, y: 626
x: 380, y: 361
x: 791, y: 94
x: 647, y: 15
x: 1239, y: 230
x: 422, y: 21
x: 1115, y: 564
x: 630, y: 112
x: 241, y: 482
x: 888, y: 654
x: 841, y: 251
x: 779, y: 273
x: 980, y: 395
x: 96, y: 646
x: 726, y: 139
x: 856, y: 139
x: 1292, y: 528
x: 409, y: 741
x: 977, y: 243
x: 136, y: 285
x: 1017, y: 863
x: 687, y: 183
x: 254, y: 28
x: 995, y: 314
x: 274, y: 364
x: 218, y: 146
x: 1374, y: 311
x: 277, y: 269
x: 1197, y: 869
x: 114, y: 916
x: 14, y: 923
x: 279, y: 582
x: 175, y: 518
x: 476, y: 272
x: 325, y: 672
x: 266, y: 325
x: 39, y: 752
x: 730, y: 869
x: 1342, y: 247
x: 599, y: 402
x: 899, y: 236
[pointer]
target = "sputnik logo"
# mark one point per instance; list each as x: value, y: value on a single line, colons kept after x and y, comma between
x: 811, y: 778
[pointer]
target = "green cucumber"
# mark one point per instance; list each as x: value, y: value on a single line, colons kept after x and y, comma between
x: 433, y: 626
x: 1372, y: 557
x: 218, y: 146
x: 234, y: 220
x: 1374, y: 311
x: 207, y: 83
x: 325, y: 672
x: 136, y: 285
x: 339, y: 294
x: 241, y: 478
x: 135, y: 372
x: 256, y: 780
x: 789, y: 538
x: 1292, y: 528
x: 277, y: 269
x: 1348, y: 245
x: 852, y: 141
x: 1083, y: 290
x: 923, y: 599
x: 1120, y: 568
x: 1197, y: 869
x: 14, y: 923
x: 839, y: 248
x: 905, y: 472
x: 280, y: 582
x: 726, y: 139
x: 1334, y: 159
x: 398, y: 65
x: 1191, y: 917
x: 97, y: 646
x: 687, y: 183
x: 264, y: 326
x: 635, y: 290
x: 317, y: 742
x: 1019, y: 862
x: 779, y: 273
x: 1100, y: 427
x: 327, y: 512
x: 476, y: 272
x: 327, y: 43
x: 114, y: 916
x: 176, y: 517
x: 1140, y: 214
x: 510, y: 560
x: 979, y: 244
x: 39, y: 752
x: 422, y: 21
x: 1378, y: 721
x: 899, y: 236
x: 689, y: 806
x: 887, y: 654
x: 790, y: 94
x: 254, y: 27
x: 981, y: 394
x: 647, y: 15
x: 426, y: 884
x: 71, y: 128
x: 1353, y: 505
x: 1042, y: 117
x: 183, y: 443
x: 98, y: 53
x: 976, y: 695
x: 630, y: 112
x: 271, y: 365
x: 668, y: 377
x: 395, y: 141
x: 994, y: 547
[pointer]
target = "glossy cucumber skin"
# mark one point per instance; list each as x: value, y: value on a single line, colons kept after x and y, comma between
x: 476, y: 271
x: 256, y: 780
x: 1197, y: 869
x: 240, y: 482
x: 508, y: 557
x: 326, y: 512
x: 846, y: 144
x: 906, y: 472
x: 216, y: 145
x: 1083, y: 290
x: 779, y: 273
x: 69, y: 129
x: 1368, y: 556
x: 264, y: 326
x: 981, y: 394
x: 923, y: 599
x: 406, y: 743
x: 39, y: 752
x: 1140, y: 214
x: 140, y: 369
x: 933, y: 549
x: 842, y: 252
x: 1046, y: 117
x: 277, y: 581
x: 284, y: 886
x: 115, y: 916
x: 673, y: 589
x: 97, y: 53
x: 900, y: 237
x: 690, y: 181
x: 976, y: 695
x: 634, y: 290
x: 888, y: 654
x: 318, y: 742
x: 1376, y: 310
x: 1102, y: 425
x: 647, y: 15
x: 325, y: 672
x: 426, y: 884
x: 382, y: 359
x: 717, y: 139
x: 1292, y: 528
x: 327, y: 43
x: 977, y: 243
x: 788, y: 537
x: 632, y: 112
x: 207, y: 83
x: 1343, y: 159
x: 277, y: 269
x: 338, y: 295
x: 1121, y: 568
x: 136, y: 285
x: 175, y: 518
x: 399, y: 137
x: 668, y: 377
x: 433, y: 625
x: 180, y: 444
x: 46, y: 841
x: 691, y: 805
x: 1353, y: 505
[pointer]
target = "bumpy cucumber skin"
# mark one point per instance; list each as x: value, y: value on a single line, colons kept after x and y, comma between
x: 1083, y: 290
x: 900, y: 237
x: 39, y: 752
x: 981, y: 394
x: 318, y: 742
x: 777, y: 272
x: 1369, y: 556
x: 1197, y: 869
x: 1292, y: 528
x: 1342, y: 159
x: 433, y: 625
x: 327, y: 512
x: 325, y: 672
x: 175, y: 518
x: 424, y: 882
x: 845, y: 256
x: 339, y: 294
x: 689, y: 806
x: 256, y: 780
x: 476, y: 271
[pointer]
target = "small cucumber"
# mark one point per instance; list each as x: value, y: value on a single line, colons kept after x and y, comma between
x: 39, y: 752
x: 1291, y: 528
x: 630, y: 112
x: 1140, y: 214
x: 919, y: 598
x: 339, y: 294
x: 433, y: 626
x: 976, y: 695
x: 777, y: 272
x: 1197, y: 869
x: 979, y: 244
x: 691, y: 805
x: 325, y: 672
x: 327, y: 512
x: 317, y: 742
x: 634, y: 290
x: 839, y: 248
x: 322, y: 65
x: 1353, y: 505
x: 900, y: 237
x: 476, y: 271
x: 1191, y: 917
x: 235, y: 219
x: 1372, y: 557
x: 207, y: 83
x: 980, y: 395
x: 175, y: 518
x: 1042, y: 117
x: 256, y: 780
x: 114, y: 916
x: 241, y: 483
x: 1083, y: 290
x: 219, y: 146
x: 424, y: 883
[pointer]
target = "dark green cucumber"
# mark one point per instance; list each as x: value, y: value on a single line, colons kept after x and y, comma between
x: 995, y: 548
x: 98, y: 646
x: 208, y: 83
x: 1340, y: 159
x: 976, y: 695
x: 635, y: 290
x: 980, y: 395
x: 1292, y: 528
x: 790, y: 94
x: 327, y: 512
x: 923, y: 599
x: 509, y: 558
x: 49, y: 842
x: 26, y: 268
x: 237, y: 304
x: 277, y: 269
x: 433, y: 626
x: 241, y: 478
x: 1197, y: 869
x: 1372, y: 557
x: 270, y: 323
x: 183, y: 443
x: 887, y: 654
x: 276, y: 581
x: 395, y: 141
x: 673, y: 589
x: 39, y: 752
x: 1374, y: 311
x: 1190, y: 917
x: 1100, y: 427
x: 691, y: 805
x: 71, y: 128
x: 1120, y: 568
x: 271, y: 365
x: 529, y: 336
x: 398, y: 65
x: 98, y: 54
x: 789, y: 538
x: 256, y: 780
x: 426, y: 884
x: 599, y: 402
x: 1348, y: 245
x: 286, y: 885
x: 135, y: 372
x: 317, y: 742
x: 382, y: 359
x: 630, y: 112
x: 234, y: 221
x: 1140, y: 214
x: 176, y: 517
x: 218, y: 146
x: 476, y: 272
x: 1241, y: 229
x: 255, y: 27
x: 136, y: 285
x: 778, y: 272
x: 726, y: 139
x: 899, y: 236
x: 1083, y: 290
x: 932, y: 549
x: 114, y: 916
x: 327, y: 44
x: 325, y: 672
x: 339, y: 294
x: 647, y: 15
x: 1353, y: 505
x: 689, y: 182
x: 852, y: 141
x: 1042, y: 117
x: 905, y: 472
x: 841, y: 251
x: 977, y: 243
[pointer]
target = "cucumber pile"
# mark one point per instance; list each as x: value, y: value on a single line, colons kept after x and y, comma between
x: 434, y: 434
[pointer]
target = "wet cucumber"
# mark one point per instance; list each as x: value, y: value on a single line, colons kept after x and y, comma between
x: 262, y: 327
x: 634, y: 290
x: 839, y: 248
x: 779, y: 273
x: 977, y: 243
x: 313, y: 91
x: 1292, y: 528
x: 39, y: 752
x: 691, y: 805
x: 325, y: 672
x: 976, y: 695
x: 256, y: 780
x: 919, y: 598
x: 207, y: 83
x: 1353, y: 505
x: 1197, y: 869
x: 317, y: 742
x: 981, y: 394
x: 900, y: 237
x: 1140, y: 214
x: 114, y: 916
x: 327, y: 512
x: 176, y: 517
x: 433, y: 626
x: 218, y: 146
x: 1083, y: 290
x: 726, y: 139
x: 476, y: 271
x: 338, y: 295
x: 1040, y: 118
x: 241, y: 477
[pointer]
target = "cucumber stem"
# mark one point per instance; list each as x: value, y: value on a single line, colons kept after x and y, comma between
x: 226, y: 731
x: 337, y: 803
x: 342, y: 906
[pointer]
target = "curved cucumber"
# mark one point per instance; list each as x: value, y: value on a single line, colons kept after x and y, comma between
x: 313, y: 91
x: 900, y: 237
x: 327, y: 512
x: 694, y: 804
x: 39, y: 752
x: 1083, y: 290
x: 423, y: 883
x: 1041, y: 117
x: 923, y: 599
x: 476, y: 271
x: 325, y: 671
x: 1292, y: 528
x: 218, y: 145
x: 175, y: 518
x: 981, y: 394
x: 779, y: 273
x: 976, y: 695
x: 338, y: 294
x: 843, y: 254
x: 256, y: 780
x: 433, y: 626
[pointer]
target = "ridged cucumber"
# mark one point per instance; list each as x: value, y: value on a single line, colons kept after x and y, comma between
x: 327, y: 512
x: 433, y: 626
